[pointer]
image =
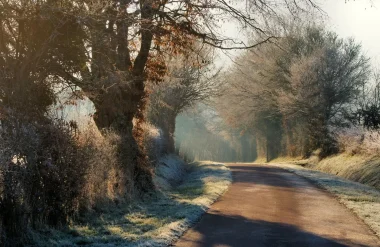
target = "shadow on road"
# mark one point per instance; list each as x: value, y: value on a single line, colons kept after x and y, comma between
x: 239, y: 231
x: 269, y: 176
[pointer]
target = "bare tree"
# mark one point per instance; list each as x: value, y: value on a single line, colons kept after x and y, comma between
x: 292, y: 91
x: 189, y: 81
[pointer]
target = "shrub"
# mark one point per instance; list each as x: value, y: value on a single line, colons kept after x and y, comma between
x: 358, y: 140
x: 154, y: 142
x: 105, y: 180
x: 41, y: 176
x: 52, y: 173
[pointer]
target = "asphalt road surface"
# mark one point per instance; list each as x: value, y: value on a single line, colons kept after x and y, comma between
x: 268, y: 206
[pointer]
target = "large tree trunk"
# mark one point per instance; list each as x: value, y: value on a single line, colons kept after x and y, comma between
x: 118, y: 87
x: 115, y: 110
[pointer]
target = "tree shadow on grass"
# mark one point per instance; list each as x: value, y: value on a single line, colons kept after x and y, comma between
x: 128, y: 224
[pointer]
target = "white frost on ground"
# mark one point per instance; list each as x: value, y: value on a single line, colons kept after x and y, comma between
x: 208, y: 180
x: 169, y: 172
x: 155, y: 221
x: 363, y: 200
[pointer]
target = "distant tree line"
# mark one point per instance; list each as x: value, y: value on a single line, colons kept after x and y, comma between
x: 292, y: 92
x: 200, y: 135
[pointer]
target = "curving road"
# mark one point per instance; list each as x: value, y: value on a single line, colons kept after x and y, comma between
x: 268, y: 206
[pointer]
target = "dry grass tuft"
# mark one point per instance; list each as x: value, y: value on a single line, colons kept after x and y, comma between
x: 358, y: 159
x: 105, y: 181
x: 358, y: 168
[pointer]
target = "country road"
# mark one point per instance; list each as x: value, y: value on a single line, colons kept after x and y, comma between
x: 268, y: 206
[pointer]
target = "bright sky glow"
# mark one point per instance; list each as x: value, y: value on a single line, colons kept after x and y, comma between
x: 358, y: 19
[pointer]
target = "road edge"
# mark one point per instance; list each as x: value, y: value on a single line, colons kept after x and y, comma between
x: 360, y: 199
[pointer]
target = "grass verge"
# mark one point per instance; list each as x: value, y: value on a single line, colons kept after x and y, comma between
x: 364, y: 169
x: 360, y: 168
x: 363, y: 200
x: 156, y: 220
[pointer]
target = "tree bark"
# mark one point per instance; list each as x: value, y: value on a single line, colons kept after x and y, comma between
x: 121, y: 98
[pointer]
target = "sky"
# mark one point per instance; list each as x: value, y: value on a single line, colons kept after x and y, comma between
x: 359, y: 19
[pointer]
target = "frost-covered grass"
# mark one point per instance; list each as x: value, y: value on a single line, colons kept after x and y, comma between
x: 358, y: 159
x: 358, y: 140
x: 170, y: 172
x: 361, y: 199
x: 360, y: 168
x: 156, y: 220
